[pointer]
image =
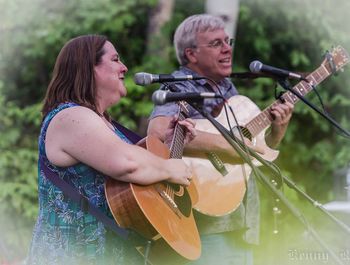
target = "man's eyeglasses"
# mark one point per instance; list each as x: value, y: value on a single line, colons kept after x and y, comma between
x: 216, y: 44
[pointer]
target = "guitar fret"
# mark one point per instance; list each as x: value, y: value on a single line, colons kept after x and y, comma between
x: 325, y: 69
x: 259, y: 122
x: 268, y: 113
x: 267, y: 118
x: 301, y: 90
x: 181, y: 116
x: 287, y: 97
x: 249, y: 128
x: 177, y: 145
x: 293, y: 97
x: 313, y: 81
x: 252, y: 125
x: 324, y: 73
x: 255, y: 126
x: 256, y: 123
x: 317, y: 77
x: 177, y: 148
x: 305, y: 87
x: 296, y: 89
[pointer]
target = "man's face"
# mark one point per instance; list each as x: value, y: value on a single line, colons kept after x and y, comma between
x: 212, y: 55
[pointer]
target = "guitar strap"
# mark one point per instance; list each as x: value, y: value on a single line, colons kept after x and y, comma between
x: 133, y: 137
x: 84, y: 203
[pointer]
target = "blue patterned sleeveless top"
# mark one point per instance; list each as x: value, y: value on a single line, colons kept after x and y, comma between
x: 64, y: 233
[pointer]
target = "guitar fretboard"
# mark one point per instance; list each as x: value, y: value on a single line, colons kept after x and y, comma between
x: 264, y: 119
x: 177, y: 145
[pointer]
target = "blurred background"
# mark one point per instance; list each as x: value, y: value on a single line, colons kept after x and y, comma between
x: 290, y: 34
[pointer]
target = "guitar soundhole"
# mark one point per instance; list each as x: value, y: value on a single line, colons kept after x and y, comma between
x: 177, y: 197
x: 245, y: 132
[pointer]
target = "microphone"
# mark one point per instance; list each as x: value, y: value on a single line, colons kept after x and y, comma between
x: 160, y: 97
x: 143, y: 79
x: 258, y: 67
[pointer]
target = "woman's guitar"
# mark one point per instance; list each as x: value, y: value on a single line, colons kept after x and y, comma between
x: 221, y: 186
x: 161, y: 212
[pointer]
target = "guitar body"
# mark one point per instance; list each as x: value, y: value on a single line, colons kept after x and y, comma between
x: 155, y: 212
x: 221, y: 193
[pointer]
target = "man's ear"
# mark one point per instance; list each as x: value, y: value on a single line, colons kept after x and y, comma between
x: 191, y: 55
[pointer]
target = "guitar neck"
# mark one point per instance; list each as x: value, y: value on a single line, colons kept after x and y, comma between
x: 264, y: 119
x: 177, y: 145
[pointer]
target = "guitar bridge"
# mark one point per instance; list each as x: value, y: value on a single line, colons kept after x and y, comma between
x: 168, y: 200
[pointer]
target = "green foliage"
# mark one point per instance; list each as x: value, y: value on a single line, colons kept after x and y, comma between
x: 18, y: 172
x: 291, y: 34
x: 32, y: 41
x: 295, y: 35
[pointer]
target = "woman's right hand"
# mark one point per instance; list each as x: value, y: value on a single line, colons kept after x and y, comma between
x: 179, y: 172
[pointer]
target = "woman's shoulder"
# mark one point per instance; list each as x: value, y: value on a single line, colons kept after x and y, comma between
x: 76, y: 117
x: 71, y: 110
x: 75, y: 109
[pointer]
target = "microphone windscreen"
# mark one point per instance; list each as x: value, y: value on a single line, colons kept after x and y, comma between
x: 158, y: 97
x: 255, y: 66
x: 142, y: 79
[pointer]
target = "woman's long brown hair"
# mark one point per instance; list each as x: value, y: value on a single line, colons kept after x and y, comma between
x: 73, y: 77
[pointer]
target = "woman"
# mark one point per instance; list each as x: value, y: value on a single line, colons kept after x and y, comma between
x: 81, y: 144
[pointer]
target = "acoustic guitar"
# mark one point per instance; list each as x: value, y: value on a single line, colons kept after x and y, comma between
x: 221, y: 186
x: 161, y: 212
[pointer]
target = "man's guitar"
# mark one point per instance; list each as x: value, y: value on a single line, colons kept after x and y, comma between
x: 221, y: 186
x: 161, y: 212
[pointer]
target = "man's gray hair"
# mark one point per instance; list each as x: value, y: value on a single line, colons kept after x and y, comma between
x: 185, y: 34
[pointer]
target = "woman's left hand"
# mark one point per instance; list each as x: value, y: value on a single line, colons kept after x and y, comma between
x: 190, y: 130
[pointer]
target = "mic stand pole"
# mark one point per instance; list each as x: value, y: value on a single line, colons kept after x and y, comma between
x: 315, y: 203
x: 274, y: 169
x: 293, y: 186
x: 261, y: 177
x: 285, y: 84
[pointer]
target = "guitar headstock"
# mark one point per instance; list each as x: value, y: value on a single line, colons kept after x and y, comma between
x: 336, y: 59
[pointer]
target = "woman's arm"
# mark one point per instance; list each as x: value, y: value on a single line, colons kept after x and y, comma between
x: 79, y: 135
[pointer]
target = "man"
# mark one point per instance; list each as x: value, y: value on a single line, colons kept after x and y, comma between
x: 203, y: 48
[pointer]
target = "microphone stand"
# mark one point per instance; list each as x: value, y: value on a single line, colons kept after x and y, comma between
x: 285, y: 84
x: 237, y: 145
x: 293, y: 186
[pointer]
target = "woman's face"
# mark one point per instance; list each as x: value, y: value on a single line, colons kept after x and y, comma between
x: 109, y: 76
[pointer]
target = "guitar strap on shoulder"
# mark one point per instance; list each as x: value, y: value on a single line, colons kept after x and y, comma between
x: 133, y: 137
x: 129, y: 235
x: 83, y: 201
x: 86, y: 206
